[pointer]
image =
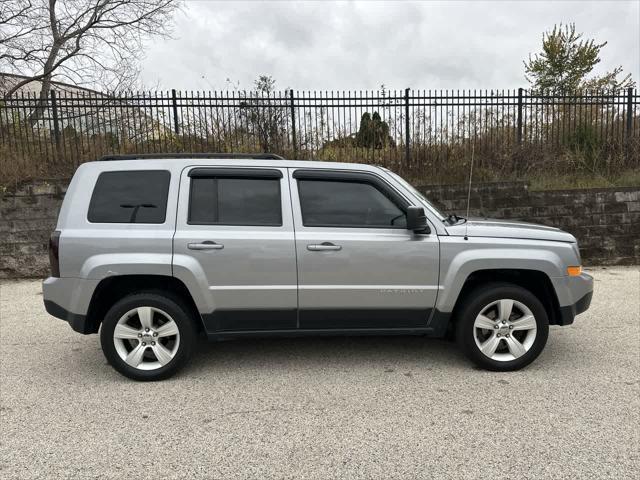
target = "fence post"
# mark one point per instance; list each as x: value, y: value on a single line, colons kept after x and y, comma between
x: 519, y: 131
x: 293, y: 124
x: 56, y: 123
x: 629, y: 112
x: 407, y: 153
x: 629, y: 126
x: 174, y: 101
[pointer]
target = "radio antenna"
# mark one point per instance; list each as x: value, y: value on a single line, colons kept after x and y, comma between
x: 466, y: 223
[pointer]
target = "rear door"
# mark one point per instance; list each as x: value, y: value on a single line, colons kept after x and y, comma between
x: 358, y: 265
x: 234, y: 233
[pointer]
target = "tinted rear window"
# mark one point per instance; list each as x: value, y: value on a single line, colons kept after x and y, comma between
x: 138, y: 196
x: 235, y: 201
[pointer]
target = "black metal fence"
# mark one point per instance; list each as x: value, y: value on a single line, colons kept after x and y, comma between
x: 416, y: 131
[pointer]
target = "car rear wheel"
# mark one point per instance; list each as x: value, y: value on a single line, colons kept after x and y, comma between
x: 147, y: 336
x: 502, y: 327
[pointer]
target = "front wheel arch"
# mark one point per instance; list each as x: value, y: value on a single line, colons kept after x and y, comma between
x: 535, y: 281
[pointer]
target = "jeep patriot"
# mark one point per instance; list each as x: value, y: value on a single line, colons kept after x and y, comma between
x: 151, y: 251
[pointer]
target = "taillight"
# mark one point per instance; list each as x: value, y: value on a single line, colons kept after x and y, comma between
x: 54, y: 253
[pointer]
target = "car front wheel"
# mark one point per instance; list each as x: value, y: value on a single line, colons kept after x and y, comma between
x: 502, y: 327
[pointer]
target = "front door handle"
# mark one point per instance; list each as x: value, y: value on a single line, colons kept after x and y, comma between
x: 323, y: 246
x: 206, y: 245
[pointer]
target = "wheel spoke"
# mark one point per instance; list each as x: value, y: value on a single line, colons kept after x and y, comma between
x: 504, y: 309
x: 145, y: 314
x: 528, y: 322
x: 515, y: 347
x: 162, y: 353
x: 490, y: 345
x: 169, y: 329
x: 135, y: 356
x: 484, y: 322
x: 125, y: 331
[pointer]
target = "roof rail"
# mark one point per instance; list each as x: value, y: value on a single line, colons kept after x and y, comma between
x: 142, y: 156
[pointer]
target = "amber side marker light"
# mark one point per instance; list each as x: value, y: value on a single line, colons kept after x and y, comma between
x: 574, y: 271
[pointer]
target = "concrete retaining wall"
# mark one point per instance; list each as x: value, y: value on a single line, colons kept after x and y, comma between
x: 605, y: 221
x: 27, y: 217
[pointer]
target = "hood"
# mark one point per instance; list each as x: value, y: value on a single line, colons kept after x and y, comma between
x: 487, y: 227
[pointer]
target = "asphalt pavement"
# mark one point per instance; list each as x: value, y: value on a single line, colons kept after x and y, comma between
x: 398, y: 407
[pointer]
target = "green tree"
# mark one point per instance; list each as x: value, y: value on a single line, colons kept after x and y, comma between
x: 373, y: 132
x: 567, y: 60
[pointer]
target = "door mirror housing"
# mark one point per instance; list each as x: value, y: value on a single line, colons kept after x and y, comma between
x: 417, y: 220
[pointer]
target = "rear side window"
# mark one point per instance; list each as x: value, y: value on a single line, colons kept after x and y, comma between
x: 326, y: 203
x: 235, y: 201
x: 138, y: 196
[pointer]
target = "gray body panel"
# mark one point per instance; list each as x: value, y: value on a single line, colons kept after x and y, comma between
x: 486, y: 227
x: 460, y: 257
x: 375, y: 268
x: 256, y: 269
x: 271, y: 268
x: 96, y: 251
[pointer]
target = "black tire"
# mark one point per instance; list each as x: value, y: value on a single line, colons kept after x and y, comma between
x: 166, y: 302
x: 473, y: 304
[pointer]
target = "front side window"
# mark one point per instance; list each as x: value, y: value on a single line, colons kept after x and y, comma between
x: 334, y: 203
x: 235, y: 201
x: 137, y: 196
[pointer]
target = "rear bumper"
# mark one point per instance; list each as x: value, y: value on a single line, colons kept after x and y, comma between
x: 68, y: 299
x: 76, y: 322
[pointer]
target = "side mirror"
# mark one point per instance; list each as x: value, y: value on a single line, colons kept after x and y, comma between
x: 417, y: 220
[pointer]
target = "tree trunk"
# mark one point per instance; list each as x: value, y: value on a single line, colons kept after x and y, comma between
x: 45, y: 89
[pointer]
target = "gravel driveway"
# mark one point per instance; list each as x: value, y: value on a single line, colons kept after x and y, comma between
x: 324, y: 407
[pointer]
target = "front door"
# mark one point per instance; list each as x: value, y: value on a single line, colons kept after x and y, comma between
x: 358, y: 265
x: 234, y: 233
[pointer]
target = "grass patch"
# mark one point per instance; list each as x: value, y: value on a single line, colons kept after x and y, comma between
x: 628, y: 178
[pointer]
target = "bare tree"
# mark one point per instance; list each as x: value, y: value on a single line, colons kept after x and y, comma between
x: 17, y: 31
x: 265, y: 113
x: 86, y: 42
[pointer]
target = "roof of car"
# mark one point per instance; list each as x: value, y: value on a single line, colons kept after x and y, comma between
x: 259, y: 159
x: 147, y: 156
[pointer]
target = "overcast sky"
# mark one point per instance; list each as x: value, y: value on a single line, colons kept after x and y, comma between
x: 361, y: 45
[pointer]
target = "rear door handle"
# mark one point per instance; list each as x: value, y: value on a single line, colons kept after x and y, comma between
x: 206, y: 245
x: 323, y: 246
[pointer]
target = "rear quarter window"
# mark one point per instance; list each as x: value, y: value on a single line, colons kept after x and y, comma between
x: 133, y: 196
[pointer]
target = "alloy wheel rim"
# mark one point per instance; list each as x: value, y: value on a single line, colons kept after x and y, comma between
x: 505, y: 330
x: 146, y: 338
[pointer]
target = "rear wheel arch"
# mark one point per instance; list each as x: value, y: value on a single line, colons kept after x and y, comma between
x: 112, y: 289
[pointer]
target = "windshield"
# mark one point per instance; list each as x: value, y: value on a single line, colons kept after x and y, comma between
x: 420, y: 196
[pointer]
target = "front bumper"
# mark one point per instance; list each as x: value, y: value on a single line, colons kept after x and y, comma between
x: 568, y: 313
x: 578, y: 292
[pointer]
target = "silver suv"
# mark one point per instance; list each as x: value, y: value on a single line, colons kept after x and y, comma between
x: 150, y: 251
